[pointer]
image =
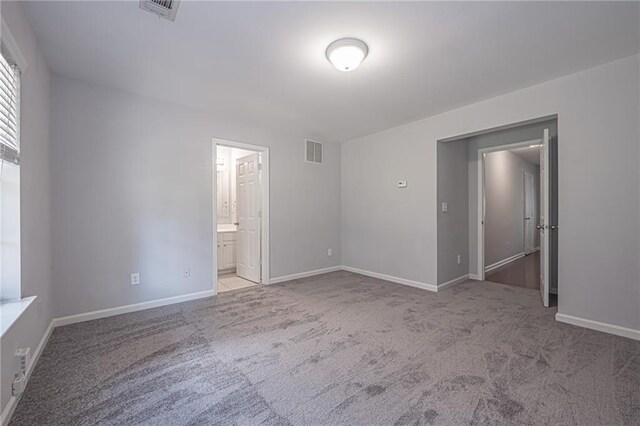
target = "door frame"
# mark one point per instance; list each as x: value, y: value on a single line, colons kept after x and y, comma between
x: 480, y: 215
x: 264, y: 201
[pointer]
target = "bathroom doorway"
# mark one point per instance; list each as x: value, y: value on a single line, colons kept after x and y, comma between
x: 240, y: 215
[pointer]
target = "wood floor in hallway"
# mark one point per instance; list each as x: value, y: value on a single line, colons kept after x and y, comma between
x: 523, y: 272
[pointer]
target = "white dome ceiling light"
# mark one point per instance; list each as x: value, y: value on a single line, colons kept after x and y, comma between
x: 346, y: 54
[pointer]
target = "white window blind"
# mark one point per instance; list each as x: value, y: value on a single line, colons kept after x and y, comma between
x: 9, y: 108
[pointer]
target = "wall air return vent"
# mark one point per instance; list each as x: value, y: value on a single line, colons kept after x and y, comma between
x: 163, y: 8
x: 313, y: 152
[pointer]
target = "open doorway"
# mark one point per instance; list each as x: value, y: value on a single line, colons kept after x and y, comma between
x: 508, y: 233
x: 240, y: 215
x: 511, y: 214
x: 515, y: 195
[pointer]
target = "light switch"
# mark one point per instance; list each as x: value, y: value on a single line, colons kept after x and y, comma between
x: 445, y: 207
x: 402, y: 184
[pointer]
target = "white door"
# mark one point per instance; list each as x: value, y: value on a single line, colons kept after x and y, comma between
x: 248, y: 204
x: 529, y: 213
x: 543, y: 226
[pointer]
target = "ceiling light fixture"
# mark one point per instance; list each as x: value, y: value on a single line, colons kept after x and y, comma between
x: 346, y: 54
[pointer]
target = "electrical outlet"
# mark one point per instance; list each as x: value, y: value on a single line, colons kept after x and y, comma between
x: 186, y: 273
x: 135, y: 278
x: 330, y: 252
x: 22, y: 359
x: 459, y: 259
x: 445, y: 206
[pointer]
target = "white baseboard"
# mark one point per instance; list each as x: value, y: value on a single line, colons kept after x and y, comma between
x: 303, y: 275
x: 417, y: 284
x: 13, y: 401
x: 453, y: 282
x: 103, y: 313
x: 503, y: 262
x: 474, y: 277
x: 599, y: 326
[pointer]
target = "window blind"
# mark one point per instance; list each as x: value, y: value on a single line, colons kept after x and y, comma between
x: 9, y: 108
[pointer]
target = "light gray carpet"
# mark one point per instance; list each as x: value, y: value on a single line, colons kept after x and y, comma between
x: 337, y: 349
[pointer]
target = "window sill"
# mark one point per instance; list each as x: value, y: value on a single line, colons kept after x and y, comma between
x: 11, y: 310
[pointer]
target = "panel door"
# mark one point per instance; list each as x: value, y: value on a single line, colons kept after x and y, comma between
x: 249, y: 217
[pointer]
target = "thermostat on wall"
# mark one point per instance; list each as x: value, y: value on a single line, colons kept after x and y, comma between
x: 402, y: 184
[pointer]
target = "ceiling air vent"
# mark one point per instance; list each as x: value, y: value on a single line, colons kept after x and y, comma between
x: 313, y: 152
x: 163, y: 8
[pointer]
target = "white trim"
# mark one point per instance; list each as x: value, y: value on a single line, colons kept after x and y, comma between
x: 103, y: 313
x: 453, y: 282
x: 481, y: 199
x: 480, y: 216
x: 13, y: 401
x: 504, y: 262
x: 391, y: 278
x: 265, y: 180
x: 12, y: 310
x: 474, y: 277
x: 599, y: 326
x: 303, y: 275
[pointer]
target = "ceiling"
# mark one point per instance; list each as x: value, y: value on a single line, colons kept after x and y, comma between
x: 529, y: 153
x: 263, y: 64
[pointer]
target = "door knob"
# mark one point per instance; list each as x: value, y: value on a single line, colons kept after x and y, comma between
x: 553, y: 227
x: 539, y: 226
x: 236, y: 223
x: 527, y: 218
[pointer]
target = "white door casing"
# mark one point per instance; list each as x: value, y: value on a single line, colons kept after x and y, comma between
x: 543, y: 226
x: 249, y: 220
x: 529, y: 213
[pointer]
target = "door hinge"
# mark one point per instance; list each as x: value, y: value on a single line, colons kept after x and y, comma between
x: 259, y: 166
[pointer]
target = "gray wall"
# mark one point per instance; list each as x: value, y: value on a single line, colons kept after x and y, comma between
x: 35, y: 197
x: 132, y: 179
x: 504, y: 205
x: 453, y: 229
x: 492, y: 139
x: 394, y: 232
